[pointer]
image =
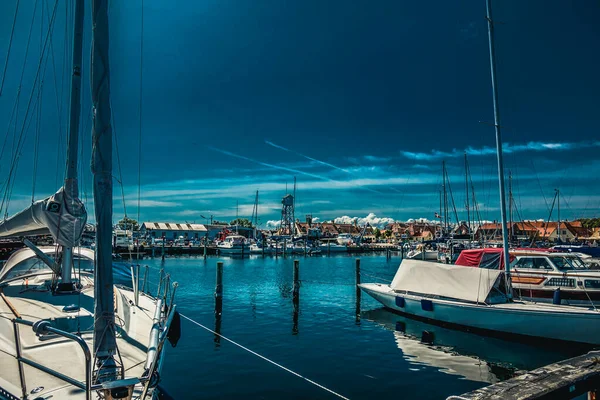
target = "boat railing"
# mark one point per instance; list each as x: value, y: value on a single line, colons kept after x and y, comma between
x: 43, y: 327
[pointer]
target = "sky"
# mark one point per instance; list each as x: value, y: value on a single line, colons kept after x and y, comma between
x: 360, y: 101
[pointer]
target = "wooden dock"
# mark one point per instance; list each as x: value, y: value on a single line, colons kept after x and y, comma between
x: 562, y: 380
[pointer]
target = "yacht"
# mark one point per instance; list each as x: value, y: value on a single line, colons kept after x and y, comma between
x: 542, y: 275
x: 344, y: 239
x: 234, y: 245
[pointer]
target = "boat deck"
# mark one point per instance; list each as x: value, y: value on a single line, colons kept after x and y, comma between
x: 33, y: 302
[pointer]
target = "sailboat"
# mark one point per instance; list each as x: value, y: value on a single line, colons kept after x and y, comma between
x: 66, y: 330
x: 477, y: 298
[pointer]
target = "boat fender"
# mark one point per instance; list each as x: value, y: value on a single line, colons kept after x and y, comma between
x: 427, y: 337
x: 174, y: 333
x: 426, y: 305
x: 400, y: 326
x: 400, y: 302
x: 556, y: 299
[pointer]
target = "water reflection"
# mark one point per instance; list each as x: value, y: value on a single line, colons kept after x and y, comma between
x: 474, y: 357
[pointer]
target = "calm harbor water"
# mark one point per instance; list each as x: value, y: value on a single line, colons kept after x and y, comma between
x: 378, y: 353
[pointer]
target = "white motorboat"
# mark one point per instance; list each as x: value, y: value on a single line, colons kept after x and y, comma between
x: 264, y: 249
x: 422, y: 254
x: 66, y: 331
x: 344, y: 239
x: 333, y: 248
x: 476, y: 298
x: 234, y: 245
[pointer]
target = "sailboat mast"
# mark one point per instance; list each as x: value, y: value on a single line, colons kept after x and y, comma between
x: 71, y: 186
x: 510, y: 206
x: 104, y: 310
x: 498, y: 146
x: 558, y: 214
x: 467, y: 193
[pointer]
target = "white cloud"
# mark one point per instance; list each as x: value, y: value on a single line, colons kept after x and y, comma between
x: 273, y: 224
x: 507, y: 148
x: 371, y: 219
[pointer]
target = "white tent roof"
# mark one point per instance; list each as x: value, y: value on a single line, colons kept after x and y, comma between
x: 457, y: 282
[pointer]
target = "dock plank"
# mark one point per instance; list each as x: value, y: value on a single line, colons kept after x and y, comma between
x: 562, y: 380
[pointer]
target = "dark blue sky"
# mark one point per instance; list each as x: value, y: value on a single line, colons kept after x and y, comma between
x: 361, y: 101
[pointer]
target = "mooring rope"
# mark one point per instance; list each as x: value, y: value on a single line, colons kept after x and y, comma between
x: 265, y: 358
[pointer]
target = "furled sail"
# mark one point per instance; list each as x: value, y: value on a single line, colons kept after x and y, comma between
x: 62, y: 215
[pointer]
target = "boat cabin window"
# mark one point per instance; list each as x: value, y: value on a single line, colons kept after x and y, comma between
x: 568, y: 263
x: 533, y: 263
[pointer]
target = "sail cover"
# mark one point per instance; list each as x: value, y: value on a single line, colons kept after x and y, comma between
x: 424, y: 277
x: 62, y: 215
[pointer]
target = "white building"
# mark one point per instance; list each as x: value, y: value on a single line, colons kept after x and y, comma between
x: 172, y: 230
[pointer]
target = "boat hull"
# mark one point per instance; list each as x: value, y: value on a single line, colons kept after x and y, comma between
x: 519, y: 318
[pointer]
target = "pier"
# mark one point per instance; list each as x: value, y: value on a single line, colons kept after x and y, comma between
x: 562, y: 380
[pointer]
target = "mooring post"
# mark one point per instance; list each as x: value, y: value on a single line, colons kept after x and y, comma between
x: 358, y: 292
x: 153, y: 248
x: 328, y: 247
x: 284, y: 248
x: 163, y: 248
x: 276, y: 248
x: 296, y: 285
x: 304, y: 247
x: 205, y: 243
x: 219, y: 289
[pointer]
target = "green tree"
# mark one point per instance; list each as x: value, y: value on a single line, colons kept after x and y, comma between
x: 377, y: 233
x: 243, y: 222
x: 128, y: 223
x: 388, y: 234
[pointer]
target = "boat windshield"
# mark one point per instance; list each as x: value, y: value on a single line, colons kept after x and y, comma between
x: 567, y: 263
x: 34, y: 266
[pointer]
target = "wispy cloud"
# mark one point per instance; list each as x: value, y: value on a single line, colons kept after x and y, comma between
x: 273, y: 166
x: 305, y: 156
x: 507, y: 148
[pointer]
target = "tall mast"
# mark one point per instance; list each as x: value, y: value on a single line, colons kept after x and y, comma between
x: 445, y: 197
x: 294, y: 210
x: 72, y: 145
x: 558, y: 214
x: 467, y: 193
x: 498, y: 147
x: 104, y: 315
x: 510, y: 205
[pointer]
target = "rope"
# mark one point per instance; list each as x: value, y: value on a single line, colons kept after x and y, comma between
x: 12, y: 32
x: 264, y: 358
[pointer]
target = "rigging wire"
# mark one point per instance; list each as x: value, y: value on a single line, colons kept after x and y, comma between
x: 12, y: 33
x: 264, y: 358
x: 120, y: 180
x: 38, y: 124
x: 139, y: 199
x: 22, y: 135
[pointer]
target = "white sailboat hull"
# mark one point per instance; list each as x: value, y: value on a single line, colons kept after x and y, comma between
x: 517, y: 318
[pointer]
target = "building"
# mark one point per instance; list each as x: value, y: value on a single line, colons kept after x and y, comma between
x: 173, y: 230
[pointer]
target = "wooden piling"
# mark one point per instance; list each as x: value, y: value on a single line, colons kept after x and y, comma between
x: 296, y: 296
x: 219, y: 289
x: 329, y: 247
x: 205, y: 244
x: 284, y: 248
x: 296, y: 284
x: 304, y: 247
x: 163, y: 249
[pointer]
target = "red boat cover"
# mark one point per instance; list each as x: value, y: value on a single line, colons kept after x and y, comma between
x: 490, y: 258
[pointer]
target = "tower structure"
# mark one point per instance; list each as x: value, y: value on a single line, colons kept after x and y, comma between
x: 287, y: 215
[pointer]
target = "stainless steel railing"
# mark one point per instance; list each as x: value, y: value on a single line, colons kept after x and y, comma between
x: 43, y: 327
